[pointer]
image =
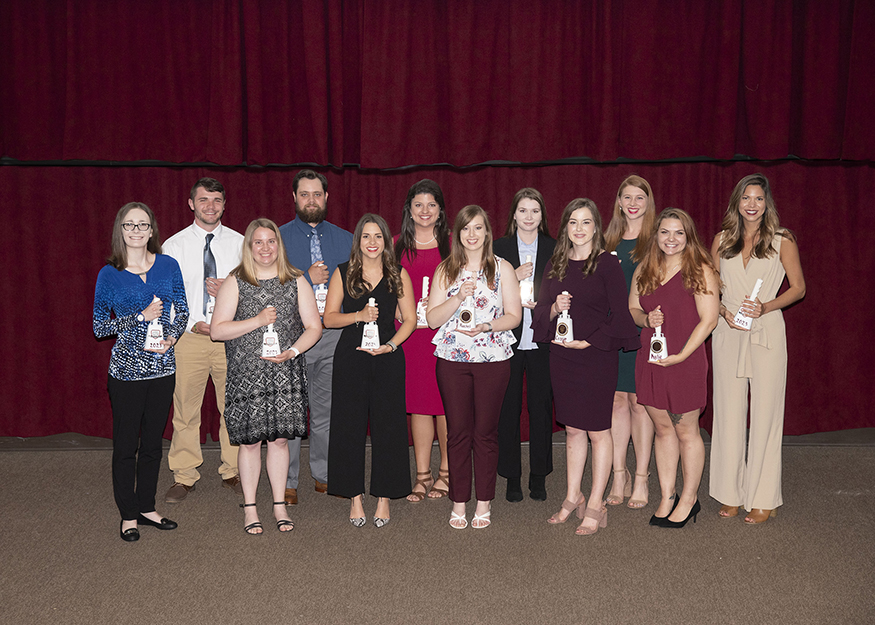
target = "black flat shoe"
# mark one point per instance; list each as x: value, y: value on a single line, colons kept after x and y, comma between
x: 164, y: 524
x: 129, y: 536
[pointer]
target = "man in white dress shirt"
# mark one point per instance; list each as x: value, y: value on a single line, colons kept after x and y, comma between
x: 206, y: 252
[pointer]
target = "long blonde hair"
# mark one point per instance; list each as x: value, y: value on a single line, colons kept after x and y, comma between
x: 694, y: 258
x: 452, y: 265
x: 617, y: 226
x: 732, y: 238
x: 245, y: 271
x: 563, y: 243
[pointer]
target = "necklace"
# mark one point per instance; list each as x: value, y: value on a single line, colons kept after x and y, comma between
x: 672, y: 270
x: 418, y: 242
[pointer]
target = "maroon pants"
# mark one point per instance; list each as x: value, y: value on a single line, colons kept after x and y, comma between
x: 472, y: 394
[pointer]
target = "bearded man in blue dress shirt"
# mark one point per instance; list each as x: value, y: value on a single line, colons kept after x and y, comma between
x: 316, y: 247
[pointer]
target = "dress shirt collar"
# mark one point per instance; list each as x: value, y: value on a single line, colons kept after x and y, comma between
x: 201, y: 233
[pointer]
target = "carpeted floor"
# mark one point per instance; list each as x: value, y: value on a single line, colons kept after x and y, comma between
x: 64, y: 563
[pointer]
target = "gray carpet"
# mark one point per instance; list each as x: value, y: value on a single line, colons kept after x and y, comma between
x: 64, y: 563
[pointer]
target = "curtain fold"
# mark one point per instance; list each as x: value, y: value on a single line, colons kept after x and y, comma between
x: 54, y: 371
x: 398, y: 83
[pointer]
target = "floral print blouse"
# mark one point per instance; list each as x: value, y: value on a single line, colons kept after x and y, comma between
x: 486, y: 346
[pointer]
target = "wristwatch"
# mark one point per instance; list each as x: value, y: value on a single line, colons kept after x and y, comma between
x: 140, y: 317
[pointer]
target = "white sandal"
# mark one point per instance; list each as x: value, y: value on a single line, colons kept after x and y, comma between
x: 484, y: 520
x: 458, y: 517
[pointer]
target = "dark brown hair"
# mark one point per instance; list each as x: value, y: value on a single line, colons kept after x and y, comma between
x: 119, y: 256
x: 355, y: 282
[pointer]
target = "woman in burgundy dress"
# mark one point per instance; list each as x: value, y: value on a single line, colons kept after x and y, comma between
x: 423, y: 243
x: 582, y: 279
x: 677, y: 289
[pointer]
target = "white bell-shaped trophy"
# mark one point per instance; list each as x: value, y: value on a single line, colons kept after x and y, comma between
x: 270, y: 344
x: 211, y: 306
x: 564, y: 326
x: 658, y: 345
x: 742, y: 320
x: 527, y: 285
x: 321, y: 292
x: 371, y: 333
x: 467, y: 312
x: 154, y: 333
x: 421, y: 306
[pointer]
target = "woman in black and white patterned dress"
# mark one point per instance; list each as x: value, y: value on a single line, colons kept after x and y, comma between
x: 265, y: 397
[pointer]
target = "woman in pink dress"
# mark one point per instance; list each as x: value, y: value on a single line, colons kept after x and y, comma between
x: 423, y: 243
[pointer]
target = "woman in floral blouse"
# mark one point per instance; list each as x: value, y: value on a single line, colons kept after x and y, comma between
x: 473, y: 365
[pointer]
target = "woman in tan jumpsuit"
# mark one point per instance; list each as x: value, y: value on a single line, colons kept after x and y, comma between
x: 751, y: 245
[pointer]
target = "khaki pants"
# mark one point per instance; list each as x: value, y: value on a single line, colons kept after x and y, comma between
x: 197, y: 358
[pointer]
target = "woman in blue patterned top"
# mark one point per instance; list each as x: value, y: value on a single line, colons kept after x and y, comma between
x: 138, y: 285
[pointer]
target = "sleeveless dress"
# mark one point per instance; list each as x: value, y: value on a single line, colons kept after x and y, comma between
x: 422, y: 392
x: 368, y: 394
x: 754, y: 362
x: 682, y: 387
x: 626, y: 375
x: 265, y: 400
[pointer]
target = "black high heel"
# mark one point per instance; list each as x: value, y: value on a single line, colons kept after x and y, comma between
x: 657, y: 520
x: 694, y: 512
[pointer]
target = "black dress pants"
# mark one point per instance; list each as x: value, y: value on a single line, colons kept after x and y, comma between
x: 535, y: 364
x: 139, y: 415
x: 368, y: 391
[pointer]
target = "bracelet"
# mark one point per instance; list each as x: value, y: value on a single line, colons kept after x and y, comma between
x: 296, y: 350
x: 357, y: 318
x: 391, y: 345
x: 489, y: 323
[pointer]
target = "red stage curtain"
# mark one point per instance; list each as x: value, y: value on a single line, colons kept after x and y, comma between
x: 389, y: 85
x: 395, y: 83
x: 55, y: 225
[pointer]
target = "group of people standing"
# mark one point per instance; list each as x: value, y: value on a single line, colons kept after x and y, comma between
x: 284, y: 319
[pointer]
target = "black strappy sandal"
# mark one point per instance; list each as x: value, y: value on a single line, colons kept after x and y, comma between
x: 283, y: 522
x: 255, y: 525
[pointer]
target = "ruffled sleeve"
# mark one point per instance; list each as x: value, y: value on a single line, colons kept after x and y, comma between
x: 617, y: 331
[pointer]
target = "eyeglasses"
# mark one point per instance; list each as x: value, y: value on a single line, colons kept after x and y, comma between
x: 142, y: 227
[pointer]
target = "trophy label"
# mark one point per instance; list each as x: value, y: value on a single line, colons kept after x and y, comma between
x: 658, y: 348
x: 420, y: 315
x: 154, y: 335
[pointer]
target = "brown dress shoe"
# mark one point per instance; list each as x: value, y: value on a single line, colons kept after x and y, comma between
x: 321, y: 487
x: 177, y: 492
x: 291, y: 496
x: 234, y: 484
